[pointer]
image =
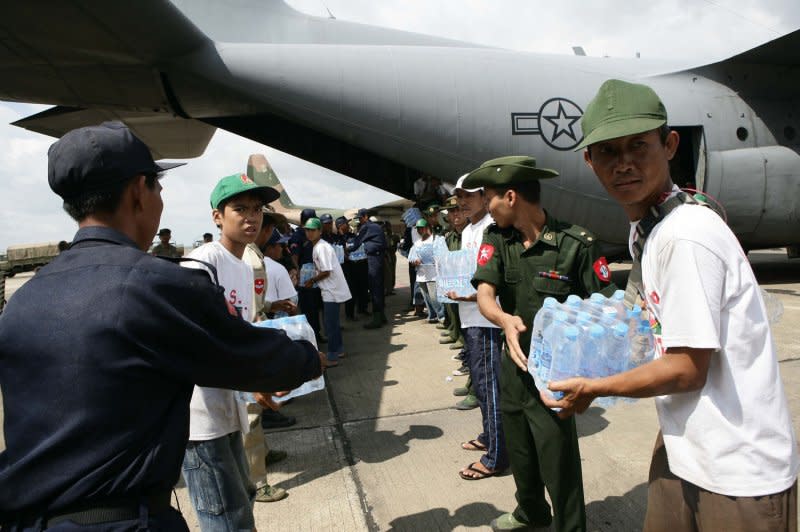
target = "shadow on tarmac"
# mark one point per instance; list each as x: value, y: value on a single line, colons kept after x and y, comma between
x: 618, y: 513
x: 470, y: 515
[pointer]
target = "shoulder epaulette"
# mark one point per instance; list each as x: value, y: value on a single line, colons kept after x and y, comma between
x: 581, y: 234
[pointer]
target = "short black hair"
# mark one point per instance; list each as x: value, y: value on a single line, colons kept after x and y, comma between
x: 530, y: 191
x: 106, y: 200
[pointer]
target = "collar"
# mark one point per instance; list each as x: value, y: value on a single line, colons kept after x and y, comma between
x: 547, y: 236
x: 106, y: 234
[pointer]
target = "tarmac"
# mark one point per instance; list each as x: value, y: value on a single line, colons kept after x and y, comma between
x: 379, y: 448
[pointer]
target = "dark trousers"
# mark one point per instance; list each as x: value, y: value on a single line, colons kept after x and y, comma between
x: 168, y: 521
x: 375, y: 276
x: 484, y: 347
x: 349, y: 275
x: 454, y: 325
x: 543, y: 451
x: 309, y: 300
x: 360, y: 290
x: 412, y: 282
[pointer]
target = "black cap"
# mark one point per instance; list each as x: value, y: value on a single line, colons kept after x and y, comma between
x: 305, y: 214
x: 276, y: 238
x: 164, y: 231
x: 362, y: 212
x: 341, y: 220
x: 95, y: 157
x: 326, y: 218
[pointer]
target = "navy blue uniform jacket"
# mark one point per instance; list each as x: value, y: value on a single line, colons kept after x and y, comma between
x: 99, y: 353
x: 373, y: 238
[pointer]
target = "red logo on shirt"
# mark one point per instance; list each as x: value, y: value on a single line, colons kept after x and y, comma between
x: 600, y: 267
x: 485, y: 254
x: 654, y: 297
x: 259, y: 286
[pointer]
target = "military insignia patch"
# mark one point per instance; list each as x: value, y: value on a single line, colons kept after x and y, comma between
x: 485, y: 254
x: 601, y: 269
x: 259, y: 286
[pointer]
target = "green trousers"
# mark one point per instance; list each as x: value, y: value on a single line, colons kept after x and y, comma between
x: 454, y: 322
x: 544, y: 452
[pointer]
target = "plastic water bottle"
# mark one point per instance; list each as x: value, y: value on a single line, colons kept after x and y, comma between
x: 245, y: 397
x: 566, y: 359
x: 550, y: 340
x: 617, y: 300
x: 633, y: 316
x: 618, y: 349
x: 642, y: 345
x: 593, y: 352
x: 542, y: 320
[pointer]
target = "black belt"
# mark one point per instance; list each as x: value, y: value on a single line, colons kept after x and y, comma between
x: 120, y: 509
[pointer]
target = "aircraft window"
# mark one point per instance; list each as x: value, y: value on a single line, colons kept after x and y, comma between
x: 742, y: 133
x: 789, y: 133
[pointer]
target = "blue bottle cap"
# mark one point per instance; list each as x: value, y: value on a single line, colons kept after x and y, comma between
x: 621, y: 329
x: 634, y: 312
x: 549, y: 302
x: 561, y: 316
x: 597, y: 297
x: 573, y: 300
x: 619, y: 295
x: 596, y: 331
x: 571, y: 332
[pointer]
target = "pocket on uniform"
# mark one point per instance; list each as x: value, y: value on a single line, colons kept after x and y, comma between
x: 511, y: 276
x: 552, y: 287
x: 203, y: 487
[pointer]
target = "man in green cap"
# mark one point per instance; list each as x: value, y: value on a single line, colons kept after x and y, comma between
x: 516, y: 261
x: 726, y: 456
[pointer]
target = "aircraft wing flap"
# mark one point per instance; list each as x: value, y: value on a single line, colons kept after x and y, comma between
x: 166, y: 135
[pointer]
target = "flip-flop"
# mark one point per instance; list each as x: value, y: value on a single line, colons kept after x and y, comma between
x: 481, y: 474
x: 473, y: 445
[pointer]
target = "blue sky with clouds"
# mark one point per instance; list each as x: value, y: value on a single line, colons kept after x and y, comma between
x: 694, y: 31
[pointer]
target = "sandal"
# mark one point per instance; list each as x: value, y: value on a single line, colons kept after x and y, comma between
x: 478, y: 474
x: 473, y: 445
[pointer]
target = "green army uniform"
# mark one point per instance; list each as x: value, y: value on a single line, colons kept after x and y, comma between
x: 543, y: 449
x: 167, y: 250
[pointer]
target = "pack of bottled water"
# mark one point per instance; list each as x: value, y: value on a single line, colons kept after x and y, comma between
x: 454, y: 271
x: 411, y: 216
x: 284, y: 314
x: 359, y: 253
x: 429, y: 251
x: 296, y: 328
x: 594, y: 337
x: 339, y: 250
x: 307, y: 271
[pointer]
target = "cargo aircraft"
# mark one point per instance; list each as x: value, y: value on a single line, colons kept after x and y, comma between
x: 386, y: 106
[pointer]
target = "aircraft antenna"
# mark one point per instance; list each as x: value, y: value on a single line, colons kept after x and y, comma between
x: 330, y: 15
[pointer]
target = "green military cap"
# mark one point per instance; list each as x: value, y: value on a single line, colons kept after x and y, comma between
x: 422, y: 222
x: 620, y: 108
x: 432, y: 209
x: 450, y: 203
x: 313, y: 223
x: 505, y: 171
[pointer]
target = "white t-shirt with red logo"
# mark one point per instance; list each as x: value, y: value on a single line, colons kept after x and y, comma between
x: 471, y: 238
x: 214, y: 412
x: 735, y: 435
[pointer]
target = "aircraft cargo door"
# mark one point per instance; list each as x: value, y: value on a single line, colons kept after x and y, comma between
x: 737, y: 178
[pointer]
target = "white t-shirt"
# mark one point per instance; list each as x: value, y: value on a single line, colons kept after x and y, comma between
x: 279, y: 284
x: 471, y: 238
x: 215, y: 412
x: 425, y: 272
x: 735, y: 435
x: 334, y: 287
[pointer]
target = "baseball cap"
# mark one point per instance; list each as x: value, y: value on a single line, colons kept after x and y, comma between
x: 505, y: 171
x: 235, y: 184
x: 164, y: 231
x: 313, y: 223
x: 422, y: 222
x: 276, y: 238
x: 460, y: 185
x: 326, y: 218
x: 93, y: 158
x: 620, y: 108
x: 362, y: 212
x: 305, y: 214
x: 341, y: 220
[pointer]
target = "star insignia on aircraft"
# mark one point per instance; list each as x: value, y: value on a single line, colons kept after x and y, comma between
x: 563, y: 123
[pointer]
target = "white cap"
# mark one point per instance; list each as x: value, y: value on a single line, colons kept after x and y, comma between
x: 460, y: 185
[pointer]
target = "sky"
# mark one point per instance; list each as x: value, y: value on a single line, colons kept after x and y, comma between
x: 694, y: 31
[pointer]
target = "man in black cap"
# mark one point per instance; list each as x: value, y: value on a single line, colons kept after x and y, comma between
x: 351, y: 268
x: 164, y: 248
x: 372, y: 237
x: 328, y: 234
x: 122, y: 339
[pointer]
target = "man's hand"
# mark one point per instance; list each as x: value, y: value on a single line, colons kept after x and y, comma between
x: 266, y: 400
x: 578, y: 395
x: 309, y: 283
x: 284, y: 305
x: 512, y: 326
x: 417, y: 262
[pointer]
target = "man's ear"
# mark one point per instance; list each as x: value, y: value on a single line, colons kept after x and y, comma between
x: 216, y: 217
x: 510, y: 197
x: 588, y: 159
x: 671, y: 143
x: 135, y: 191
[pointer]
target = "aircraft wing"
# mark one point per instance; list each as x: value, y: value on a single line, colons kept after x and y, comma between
x: 166, y: 135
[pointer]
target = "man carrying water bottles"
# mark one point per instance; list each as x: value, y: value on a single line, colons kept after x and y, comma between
x: 526, y: 256
x: 726, y: 456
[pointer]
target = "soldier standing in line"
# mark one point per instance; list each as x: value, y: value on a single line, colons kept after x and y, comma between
x: 371, y: 235
x: 524, y: 242
x: 164, y: 248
